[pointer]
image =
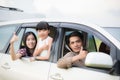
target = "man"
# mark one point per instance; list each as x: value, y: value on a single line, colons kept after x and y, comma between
x: 77, y: 55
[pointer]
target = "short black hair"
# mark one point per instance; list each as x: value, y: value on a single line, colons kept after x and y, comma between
x: 42, y: 25
x: 75, y: 33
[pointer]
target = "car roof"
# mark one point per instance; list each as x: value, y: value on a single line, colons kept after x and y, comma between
x: 70, y: 20
x: 94, y: 26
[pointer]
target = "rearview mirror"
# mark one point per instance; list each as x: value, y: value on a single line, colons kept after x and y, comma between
x: 98, y: 60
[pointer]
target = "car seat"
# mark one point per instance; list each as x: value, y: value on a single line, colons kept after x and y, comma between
x: 104, y: 48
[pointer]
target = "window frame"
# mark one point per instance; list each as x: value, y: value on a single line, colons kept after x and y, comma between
x: 89, y: 30
x: 6, y: 47
x: 96, y: 33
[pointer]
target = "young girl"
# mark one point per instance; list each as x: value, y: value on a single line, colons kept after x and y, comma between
x: 42, y: 51
x: 29, y: 41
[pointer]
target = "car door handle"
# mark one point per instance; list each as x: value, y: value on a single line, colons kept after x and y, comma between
x: 56, y: 76
x: 6, y: 66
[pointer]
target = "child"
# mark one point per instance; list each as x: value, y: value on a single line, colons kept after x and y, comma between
x: 42, y: 51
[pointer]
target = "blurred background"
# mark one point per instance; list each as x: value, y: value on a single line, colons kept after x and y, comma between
x: 100, y: 12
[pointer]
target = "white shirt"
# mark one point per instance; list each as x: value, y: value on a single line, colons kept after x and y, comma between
x: 41, y: 43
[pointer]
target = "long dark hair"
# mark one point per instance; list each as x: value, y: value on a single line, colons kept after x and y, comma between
x: 24, y: 42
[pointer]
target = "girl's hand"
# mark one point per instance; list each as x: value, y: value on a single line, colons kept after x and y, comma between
x: 14, y: 38
x: 32, y: 59
x: 45, y: 47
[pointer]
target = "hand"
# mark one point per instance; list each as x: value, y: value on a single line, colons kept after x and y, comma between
x: 81, y: 50
x: 32, y: 59
x: 82, y: 53
x: 14, y: 38
x: 45, y: 47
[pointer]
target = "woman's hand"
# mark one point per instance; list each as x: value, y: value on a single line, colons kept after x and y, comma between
x: 14, y: 38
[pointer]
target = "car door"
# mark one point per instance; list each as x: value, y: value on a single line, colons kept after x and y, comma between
x: 91, y: 44
x: 22, y: 69
x: 6, y: 32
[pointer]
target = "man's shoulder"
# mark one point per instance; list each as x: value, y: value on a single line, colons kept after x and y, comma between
x: 71, y: 53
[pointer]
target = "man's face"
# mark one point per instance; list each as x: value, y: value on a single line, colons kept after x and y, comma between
x: 75, y: 44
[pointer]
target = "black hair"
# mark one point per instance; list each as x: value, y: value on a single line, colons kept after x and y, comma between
x: 42, y: 25
x: 24, y: 42
x: 75, y: 33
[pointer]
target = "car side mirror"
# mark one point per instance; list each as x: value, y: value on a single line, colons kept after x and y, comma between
x: 98, y: 60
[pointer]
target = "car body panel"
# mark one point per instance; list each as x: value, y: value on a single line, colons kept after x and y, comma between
x: 23, y: 69
x: 75, y: 73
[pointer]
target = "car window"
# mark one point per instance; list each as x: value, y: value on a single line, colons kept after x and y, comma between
x: 97, y: 45
x: 17, y: 43
x: 114, y: 31
x: 31, y: 29
x: 92, y: 43
x: 5, y: 34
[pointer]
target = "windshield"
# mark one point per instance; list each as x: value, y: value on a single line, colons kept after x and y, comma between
x: 114, y: 31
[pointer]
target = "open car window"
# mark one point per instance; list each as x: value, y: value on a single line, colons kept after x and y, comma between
x: 91, y: 43
x: 6, y: 32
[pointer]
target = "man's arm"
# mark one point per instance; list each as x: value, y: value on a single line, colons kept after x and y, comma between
x: 80, y: 56
x: 66, y: 61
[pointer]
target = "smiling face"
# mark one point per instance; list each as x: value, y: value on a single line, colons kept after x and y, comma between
x: 75, y: 44
x: 30, y: 41
x: 43, y: 33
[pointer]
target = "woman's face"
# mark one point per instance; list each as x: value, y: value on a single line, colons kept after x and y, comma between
x: 30, y: 41
x: 75, y: 44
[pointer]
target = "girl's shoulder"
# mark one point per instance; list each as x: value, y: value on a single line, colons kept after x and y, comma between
x: 49, y: 38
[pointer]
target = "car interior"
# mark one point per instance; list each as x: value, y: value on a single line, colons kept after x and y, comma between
x: 104, y: 48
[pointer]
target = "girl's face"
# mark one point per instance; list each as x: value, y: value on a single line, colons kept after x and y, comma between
x: 43, y: 33
x: 30, y: 41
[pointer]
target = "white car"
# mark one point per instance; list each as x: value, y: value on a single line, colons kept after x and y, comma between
x: 102, y: 61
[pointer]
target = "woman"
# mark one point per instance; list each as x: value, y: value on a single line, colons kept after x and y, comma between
x: 29, y: 41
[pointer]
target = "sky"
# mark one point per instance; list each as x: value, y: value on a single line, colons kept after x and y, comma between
x: 100, y: 12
